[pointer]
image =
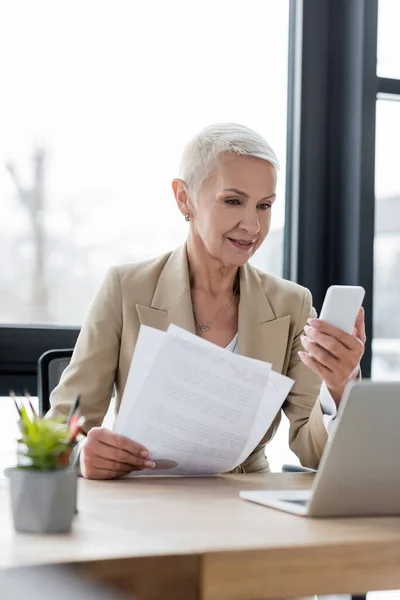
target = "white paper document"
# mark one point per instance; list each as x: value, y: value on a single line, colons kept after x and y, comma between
x: 198, y: 409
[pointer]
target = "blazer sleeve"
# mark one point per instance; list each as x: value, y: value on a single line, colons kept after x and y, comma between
x: 93, y: 366
x: 307, y: 432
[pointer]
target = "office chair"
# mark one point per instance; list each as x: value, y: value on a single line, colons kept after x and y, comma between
x: 50, y: 367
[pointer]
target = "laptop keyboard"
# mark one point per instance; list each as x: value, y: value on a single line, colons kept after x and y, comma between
x: 301, y: 502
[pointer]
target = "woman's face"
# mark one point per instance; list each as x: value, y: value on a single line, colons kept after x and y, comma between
x: 232, y: 212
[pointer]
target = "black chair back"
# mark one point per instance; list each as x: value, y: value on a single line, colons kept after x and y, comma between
x: 21, y: 346
x: 50, y: 368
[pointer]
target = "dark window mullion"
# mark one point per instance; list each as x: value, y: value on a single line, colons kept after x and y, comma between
x: 334, y: 221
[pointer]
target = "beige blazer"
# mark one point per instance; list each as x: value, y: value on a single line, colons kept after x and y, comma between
x: 272, y: 315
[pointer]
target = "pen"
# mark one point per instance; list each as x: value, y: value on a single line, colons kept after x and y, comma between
x: 12, y: 395
x: 28, y: 397
x: 76, y: 429
x: 297, y: 469
x: 74, y: 409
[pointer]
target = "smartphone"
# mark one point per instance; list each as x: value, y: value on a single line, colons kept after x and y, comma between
x: 341, y: 306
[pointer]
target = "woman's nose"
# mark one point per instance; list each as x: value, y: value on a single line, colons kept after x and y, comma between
x: 251, y: 223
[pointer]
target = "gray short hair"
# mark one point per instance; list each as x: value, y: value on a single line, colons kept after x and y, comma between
x: 201, y: 155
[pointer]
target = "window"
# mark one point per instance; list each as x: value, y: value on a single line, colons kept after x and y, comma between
x: 388, y: 39
x: 386, y: 343
x: 102, y: 98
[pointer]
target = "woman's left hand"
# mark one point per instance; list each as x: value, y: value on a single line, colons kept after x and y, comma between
x: 333, y: 354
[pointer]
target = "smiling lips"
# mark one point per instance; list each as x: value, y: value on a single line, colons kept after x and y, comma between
x: 245, y: 245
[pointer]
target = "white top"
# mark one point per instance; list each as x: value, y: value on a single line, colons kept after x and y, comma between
x: 328, y: 405
x: 232, y: 346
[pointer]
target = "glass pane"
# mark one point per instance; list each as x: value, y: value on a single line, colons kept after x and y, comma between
x: 101, y: 99
x: 389, y: 39
x: 386, y: 343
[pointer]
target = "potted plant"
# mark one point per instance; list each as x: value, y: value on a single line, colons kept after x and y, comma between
x: 43, y: 486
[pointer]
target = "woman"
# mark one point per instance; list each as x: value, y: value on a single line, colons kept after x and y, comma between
x: 226, y: 193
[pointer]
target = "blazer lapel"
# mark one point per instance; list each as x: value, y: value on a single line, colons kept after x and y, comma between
x: 172, y: 301
x: 261, y: 334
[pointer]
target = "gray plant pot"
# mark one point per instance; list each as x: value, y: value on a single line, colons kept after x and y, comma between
x: 43, y: 501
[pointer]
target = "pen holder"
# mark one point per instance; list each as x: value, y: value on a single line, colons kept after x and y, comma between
x: 43, y: 486
x: 43, y: 501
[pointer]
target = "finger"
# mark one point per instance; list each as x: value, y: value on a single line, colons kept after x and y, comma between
x: 359, y: 328
x: 344, y: 338
x: 95, y: 467
x: 104, y: 464
x: 341, y: 366
x: 102, y: 474
x: 331, y: 344
x: 118, y: 455
x: 324, y: 357
x: 323, y: 372
x: 115, y: 440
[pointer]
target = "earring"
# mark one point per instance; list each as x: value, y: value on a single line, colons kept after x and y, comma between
x: 187, y: 217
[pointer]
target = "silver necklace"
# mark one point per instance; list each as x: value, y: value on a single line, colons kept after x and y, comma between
x: 204, y: 327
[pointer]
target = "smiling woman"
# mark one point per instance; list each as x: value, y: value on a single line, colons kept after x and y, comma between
x: 208, y: 287
x: 92, y: 148
x: 229, y: 176
x: 245, y: 182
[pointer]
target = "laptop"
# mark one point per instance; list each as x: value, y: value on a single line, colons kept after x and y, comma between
x: 359, y: 473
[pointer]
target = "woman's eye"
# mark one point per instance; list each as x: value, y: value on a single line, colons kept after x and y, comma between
x: 232, y: 201
x: 264, y: 206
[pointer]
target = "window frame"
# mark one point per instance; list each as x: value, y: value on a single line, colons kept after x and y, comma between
x: 330, y: 210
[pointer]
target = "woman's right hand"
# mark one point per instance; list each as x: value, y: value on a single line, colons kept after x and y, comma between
x: 108, y: 455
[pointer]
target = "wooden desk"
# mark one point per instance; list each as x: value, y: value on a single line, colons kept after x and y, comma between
x: 195, y: 539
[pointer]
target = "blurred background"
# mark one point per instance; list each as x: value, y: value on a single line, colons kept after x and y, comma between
x: 93, y: 126
x: 99, y: 99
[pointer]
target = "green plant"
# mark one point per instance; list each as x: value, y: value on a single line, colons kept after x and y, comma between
x: 43, y: 444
